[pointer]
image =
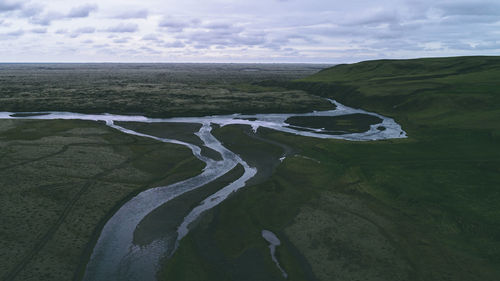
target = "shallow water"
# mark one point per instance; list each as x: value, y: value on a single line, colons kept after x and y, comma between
x: 274, y: 242
x: 115, y: 256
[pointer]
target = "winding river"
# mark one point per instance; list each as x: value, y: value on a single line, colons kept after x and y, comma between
x: 115, y: 256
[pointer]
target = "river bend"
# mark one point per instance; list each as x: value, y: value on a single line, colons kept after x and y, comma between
x: 115, y: 256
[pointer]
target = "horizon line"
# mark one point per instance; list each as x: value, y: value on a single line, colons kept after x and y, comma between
x: 243, y: 62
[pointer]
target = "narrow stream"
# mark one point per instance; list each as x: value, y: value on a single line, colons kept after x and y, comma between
x: 115, y: 256
x: 274, y: 242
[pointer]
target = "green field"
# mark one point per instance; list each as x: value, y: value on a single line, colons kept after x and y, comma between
x: 422, y: 208
x: 60, y: 182
x: 460, y: 92
x: 155, y: 90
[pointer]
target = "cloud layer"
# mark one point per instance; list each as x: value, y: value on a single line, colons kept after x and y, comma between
x: 323, y: 31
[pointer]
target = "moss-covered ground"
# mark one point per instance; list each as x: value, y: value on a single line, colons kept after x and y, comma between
x: 422, y: 208
x: 61, y: 180
x: 155, y: 90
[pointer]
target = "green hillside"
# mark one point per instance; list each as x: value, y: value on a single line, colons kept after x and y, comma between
x: 422, y: 208
x: 458, y: 92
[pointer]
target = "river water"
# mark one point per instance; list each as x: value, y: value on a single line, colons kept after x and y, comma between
x: 115, y: 256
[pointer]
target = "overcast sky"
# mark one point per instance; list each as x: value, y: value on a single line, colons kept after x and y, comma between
x: 321, y: 31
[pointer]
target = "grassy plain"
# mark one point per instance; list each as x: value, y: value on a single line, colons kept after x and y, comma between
x: 61, y: 180
x: 422, y: 208
x: 335, y: 125
x: 155, y: 90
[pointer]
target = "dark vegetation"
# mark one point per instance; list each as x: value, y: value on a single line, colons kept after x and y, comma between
x: 422, y: 208
x: 155, y: 90
x: 447, y: 178
x: 460, y: 92
x: 327, y: 232
x: 176, y: 131
x: 61, y: 180
x: 352, y: 123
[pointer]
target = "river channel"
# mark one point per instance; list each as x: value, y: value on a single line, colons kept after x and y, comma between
x: 115, y: 256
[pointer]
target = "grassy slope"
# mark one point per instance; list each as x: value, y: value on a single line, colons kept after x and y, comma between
x: 451, y: 110
x: 423, y: 208
x: 61, y: 180
x: 446, y: 175
x: 457, y: 92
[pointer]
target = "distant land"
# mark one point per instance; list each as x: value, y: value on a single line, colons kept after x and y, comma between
x: 424, y: 207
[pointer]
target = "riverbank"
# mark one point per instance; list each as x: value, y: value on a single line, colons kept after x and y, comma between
x: 422, y: 208
x: 118, y: 231
x: 60, y: 178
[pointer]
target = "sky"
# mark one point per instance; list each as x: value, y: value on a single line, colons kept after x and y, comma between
x: 269, y: 31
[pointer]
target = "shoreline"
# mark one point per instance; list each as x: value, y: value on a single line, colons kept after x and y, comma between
x: 270, y: 121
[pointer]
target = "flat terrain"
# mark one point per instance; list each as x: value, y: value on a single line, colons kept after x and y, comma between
x: 61, y: 180
x: 422, y: 208
x: 335, y: 125
x: 155, y: 90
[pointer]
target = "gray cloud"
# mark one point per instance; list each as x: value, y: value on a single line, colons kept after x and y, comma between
x: 173, y: 25
x: 311, y: 30
x: 476, y: 8
x: 87, y: 29
x: 379, y: 17
x: 123, y: 28
x: 34, y: 13
x: 82, y: 30
x: 289, y: 38
x: 227, y: 37
x: 470, y: 19
x: 146, y: 49
x: 403, y: 44
x: 175, y: 44
x: 220, y: 33
x: 31, y: 10
x: 121, y: 40
x: 39, y: 30
x: 15, y: 33
x: 486, y: 45
x: 134, y: 14
x: 99, y: 46
x: 152, y: 38
x: 82, y: 11
x: 6, y: 6
x: 218, y: 25
x: 47, y: 18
